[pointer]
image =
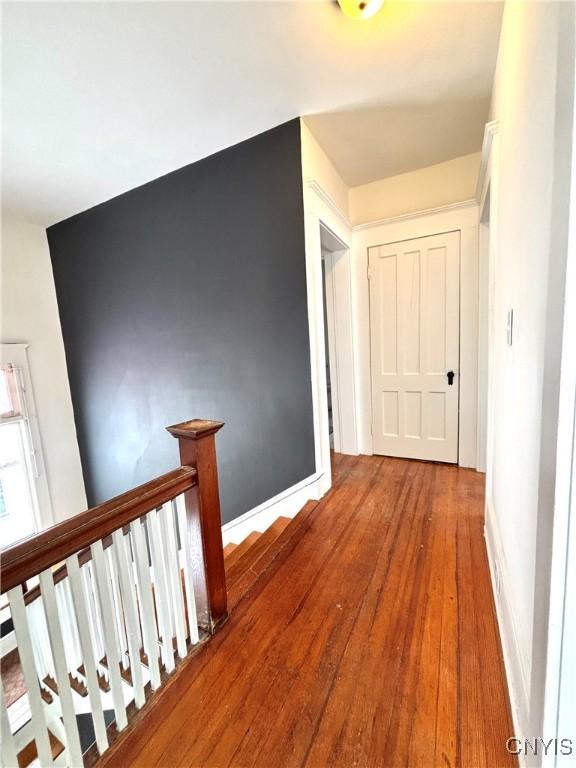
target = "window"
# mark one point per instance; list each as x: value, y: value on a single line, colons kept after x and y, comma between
x: 18, y: 501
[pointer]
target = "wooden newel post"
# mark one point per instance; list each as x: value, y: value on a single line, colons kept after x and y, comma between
x: 197, y: 444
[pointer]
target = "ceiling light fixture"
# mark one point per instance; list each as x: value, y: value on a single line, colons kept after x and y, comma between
x: 360, y: 9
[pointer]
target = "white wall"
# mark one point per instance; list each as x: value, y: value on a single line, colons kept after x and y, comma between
x: 451, y: 182
x: 533, y: 136
x: 29, y: 314
x: 561, y: 660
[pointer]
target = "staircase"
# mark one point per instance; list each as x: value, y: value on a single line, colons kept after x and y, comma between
x: 245, y: 562
x: 107, y: 606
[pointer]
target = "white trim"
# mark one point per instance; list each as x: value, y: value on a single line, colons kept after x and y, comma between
x: 490, y: 130
x: 516, y: 673
x: 416, y: 214
x: 329, y: 259
x: 285, y: 504
x: 317, y: 350
x: 490, y: 181
x: 463, y: 218
x: 487, y: 181
x: 483, y: 350
x: 321, y: 210
x: 314, y: 186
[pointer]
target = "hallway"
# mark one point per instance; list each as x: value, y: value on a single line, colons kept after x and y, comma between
x: 371, y: 640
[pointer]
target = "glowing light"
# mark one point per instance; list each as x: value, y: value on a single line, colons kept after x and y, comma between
x: 360, y: 9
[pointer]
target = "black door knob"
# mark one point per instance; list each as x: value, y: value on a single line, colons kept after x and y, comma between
x: 450, y: 375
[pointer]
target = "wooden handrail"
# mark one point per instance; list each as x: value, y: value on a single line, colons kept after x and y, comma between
x: 28, y: 558
x: 59, y: 574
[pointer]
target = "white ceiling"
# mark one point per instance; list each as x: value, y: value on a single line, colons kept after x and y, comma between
x: 101, y: 97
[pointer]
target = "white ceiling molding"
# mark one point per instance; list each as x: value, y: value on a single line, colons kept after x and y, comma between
x: 416, y: 214
x: 315, y: 186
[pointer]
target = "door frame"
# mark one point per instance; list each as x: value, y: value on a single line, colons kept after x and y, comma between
x: 462, y: 218
x: 487, y: 196
x: 320, y: 211
x: 401, y: 446
x: 333, y: 249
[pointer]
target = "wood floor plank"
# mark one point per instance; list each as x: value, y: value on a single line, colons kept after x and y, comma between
x: 369, y: 638
x: 472, y: 731
x: 446, y: 743
x: 422, y: 744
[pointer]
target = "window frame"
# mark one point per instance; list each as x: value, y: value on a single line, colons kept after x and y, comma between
x: 17, y: 355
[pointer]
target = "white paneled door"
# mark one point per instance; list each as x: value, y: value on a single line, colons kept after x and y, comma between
x: 414, y: 329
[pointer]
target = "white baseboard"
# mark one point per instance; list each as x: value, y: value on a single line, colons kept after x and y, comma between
x: 516, y: 674
x: 285, y: 504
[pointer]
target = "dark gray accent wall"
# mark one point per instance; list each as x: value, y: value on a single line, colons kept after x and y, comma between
x: 185, y: 298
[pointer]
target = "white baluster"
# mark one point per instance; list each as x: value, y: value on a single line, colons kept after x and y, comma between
x: 118, y: 612
x: 160, y: 591
x: 67, y: 616
x: 188, y: 569
x: 89, y: 587
x: 61, y: 667
x: 146, y: 601
x: 128, y: 595
x: 19, y: 618
x: 9, y: 754
x: 78, y: 600
x: 109, y: 632
x: 173, y: 575
x: 40, y: 640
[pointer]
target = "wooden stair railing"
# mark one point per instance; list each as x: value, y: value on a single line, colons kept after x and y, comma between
x: 124, y: 591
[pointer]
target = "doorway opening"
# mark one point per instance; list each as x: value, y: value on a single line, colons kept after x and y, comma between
x: 332, y: 250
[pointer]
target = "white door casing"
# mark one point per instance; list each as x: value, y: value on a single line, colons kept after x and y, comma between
x: 414, y: 330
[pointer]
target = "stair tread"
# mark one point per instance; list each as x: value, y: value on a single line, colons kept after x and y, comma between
x: 250, y: 568
x: 257, y: 550
x: 229, y: 548
x: 241, y: 549
x: 28, y: 754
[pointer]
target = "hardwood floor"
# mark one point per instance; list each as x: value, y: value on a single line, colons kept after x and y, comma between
x: 371, y: 640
